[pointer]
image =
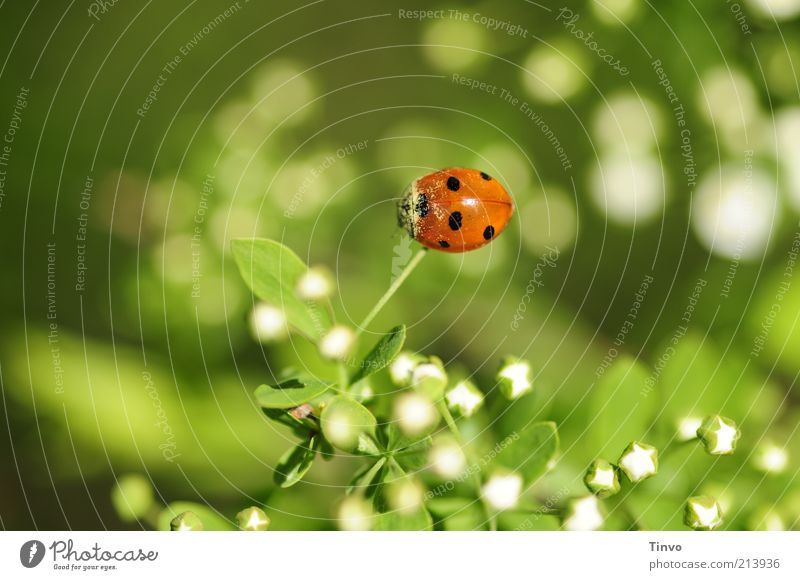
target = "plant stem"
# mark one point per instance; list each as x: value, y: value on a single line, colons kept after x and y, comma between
x: 344, y: 379
x: 392, y: 289
x: 476, y: 479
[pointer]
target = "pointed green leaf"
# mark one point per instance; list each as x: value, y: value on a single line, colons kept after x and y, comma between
x: 295, y: 463
x: 288, y: 394
x: 271, y: 271
x: 348, y: 425
x: 530, y: 450
x: 418, y: 521
x: 382, y: 354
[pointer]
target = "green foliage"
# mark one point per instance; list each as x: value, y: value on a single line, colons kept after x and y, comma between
x: 531, y: 451
x: 209, y: 518
x: 399, y: 486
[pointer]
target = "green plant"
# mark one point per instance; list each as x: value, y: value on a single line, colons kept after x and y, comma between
x: 429, y: 460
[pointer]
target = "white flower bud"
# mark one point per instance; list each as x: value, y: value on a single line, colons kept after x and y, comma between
x: 428, y: 370
x: 770, y: 458
x: 702, y: 513
x: 252, y: 519
x: 268, y: 323
x: 687, y: 428
x: 315, y: 284
x: 582, y: 514
x: 502, y: 490
x: 447, y: 459
x: 601, y: 478
x: 514, y: 377
x: 464, y: 398
x: 639, y: 461
x: 355, y: 514
x: 338, y: 343
x: 415, y: 414
x: 719, y: 435
x: 766, y: 520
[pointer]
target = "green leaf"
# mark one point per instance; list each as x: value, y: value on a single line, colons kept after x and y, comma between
x: 348, y: 425
x: 382, y: 354
x: 621, y: 410
x: 132, y: 497
x: 530, y: 450
x: 212, y: 521
x: 271, y: 271
x: 418, y: 521
x: 295, y: 463
x: 365, y: 476
x: 457, y: 513
x: 289, y: 394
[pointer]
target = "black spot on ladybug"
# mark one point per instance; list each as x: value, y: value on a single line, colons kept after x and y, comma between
x: 444, y: 243
x: 455, y: 221
x: 422, y: 205
x: 453, y: 184
x: 488, y: 233
x: 486, y: 176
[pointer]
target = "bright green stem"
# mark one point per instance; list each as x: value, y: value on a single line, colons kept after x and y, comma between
x: 392, y: 289
x: 476, y: 479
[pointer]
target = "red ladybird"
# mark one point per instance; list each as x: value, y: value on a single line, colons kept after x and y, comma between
x: 455, y: 209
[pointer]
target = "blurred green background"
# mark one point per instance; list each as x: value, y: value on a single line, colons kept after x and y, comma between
x: 146, y: 135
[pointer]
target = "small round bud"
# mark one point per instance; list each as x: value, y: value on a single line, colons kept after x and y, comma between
x: 639, y: 461
x: 315, y: 284
x: 601, y: 478
x: 687, y: 428
x: 447, y: 459
x: 268, y: 323
x: 514, y: 377
x: 132, y: 497
x: 362, y: 391
x: 464, y: 398
x: 338, y: 343
x: 770, y: 458
x: 766, y: 520
x: 405, y: 496
x: 186, y: 522
x: 582, y: 514
x: 355, y: 514
x: 348, y: 425
x: 702, y: 512
x: 502, y: 490
x: 252, y: 519
x: 402, y: 368
x: 719, y: 435
x: 415, y: 414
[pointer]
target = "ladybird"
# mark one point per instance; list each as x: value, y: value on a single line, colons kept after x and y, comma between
x: 455, y: 210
